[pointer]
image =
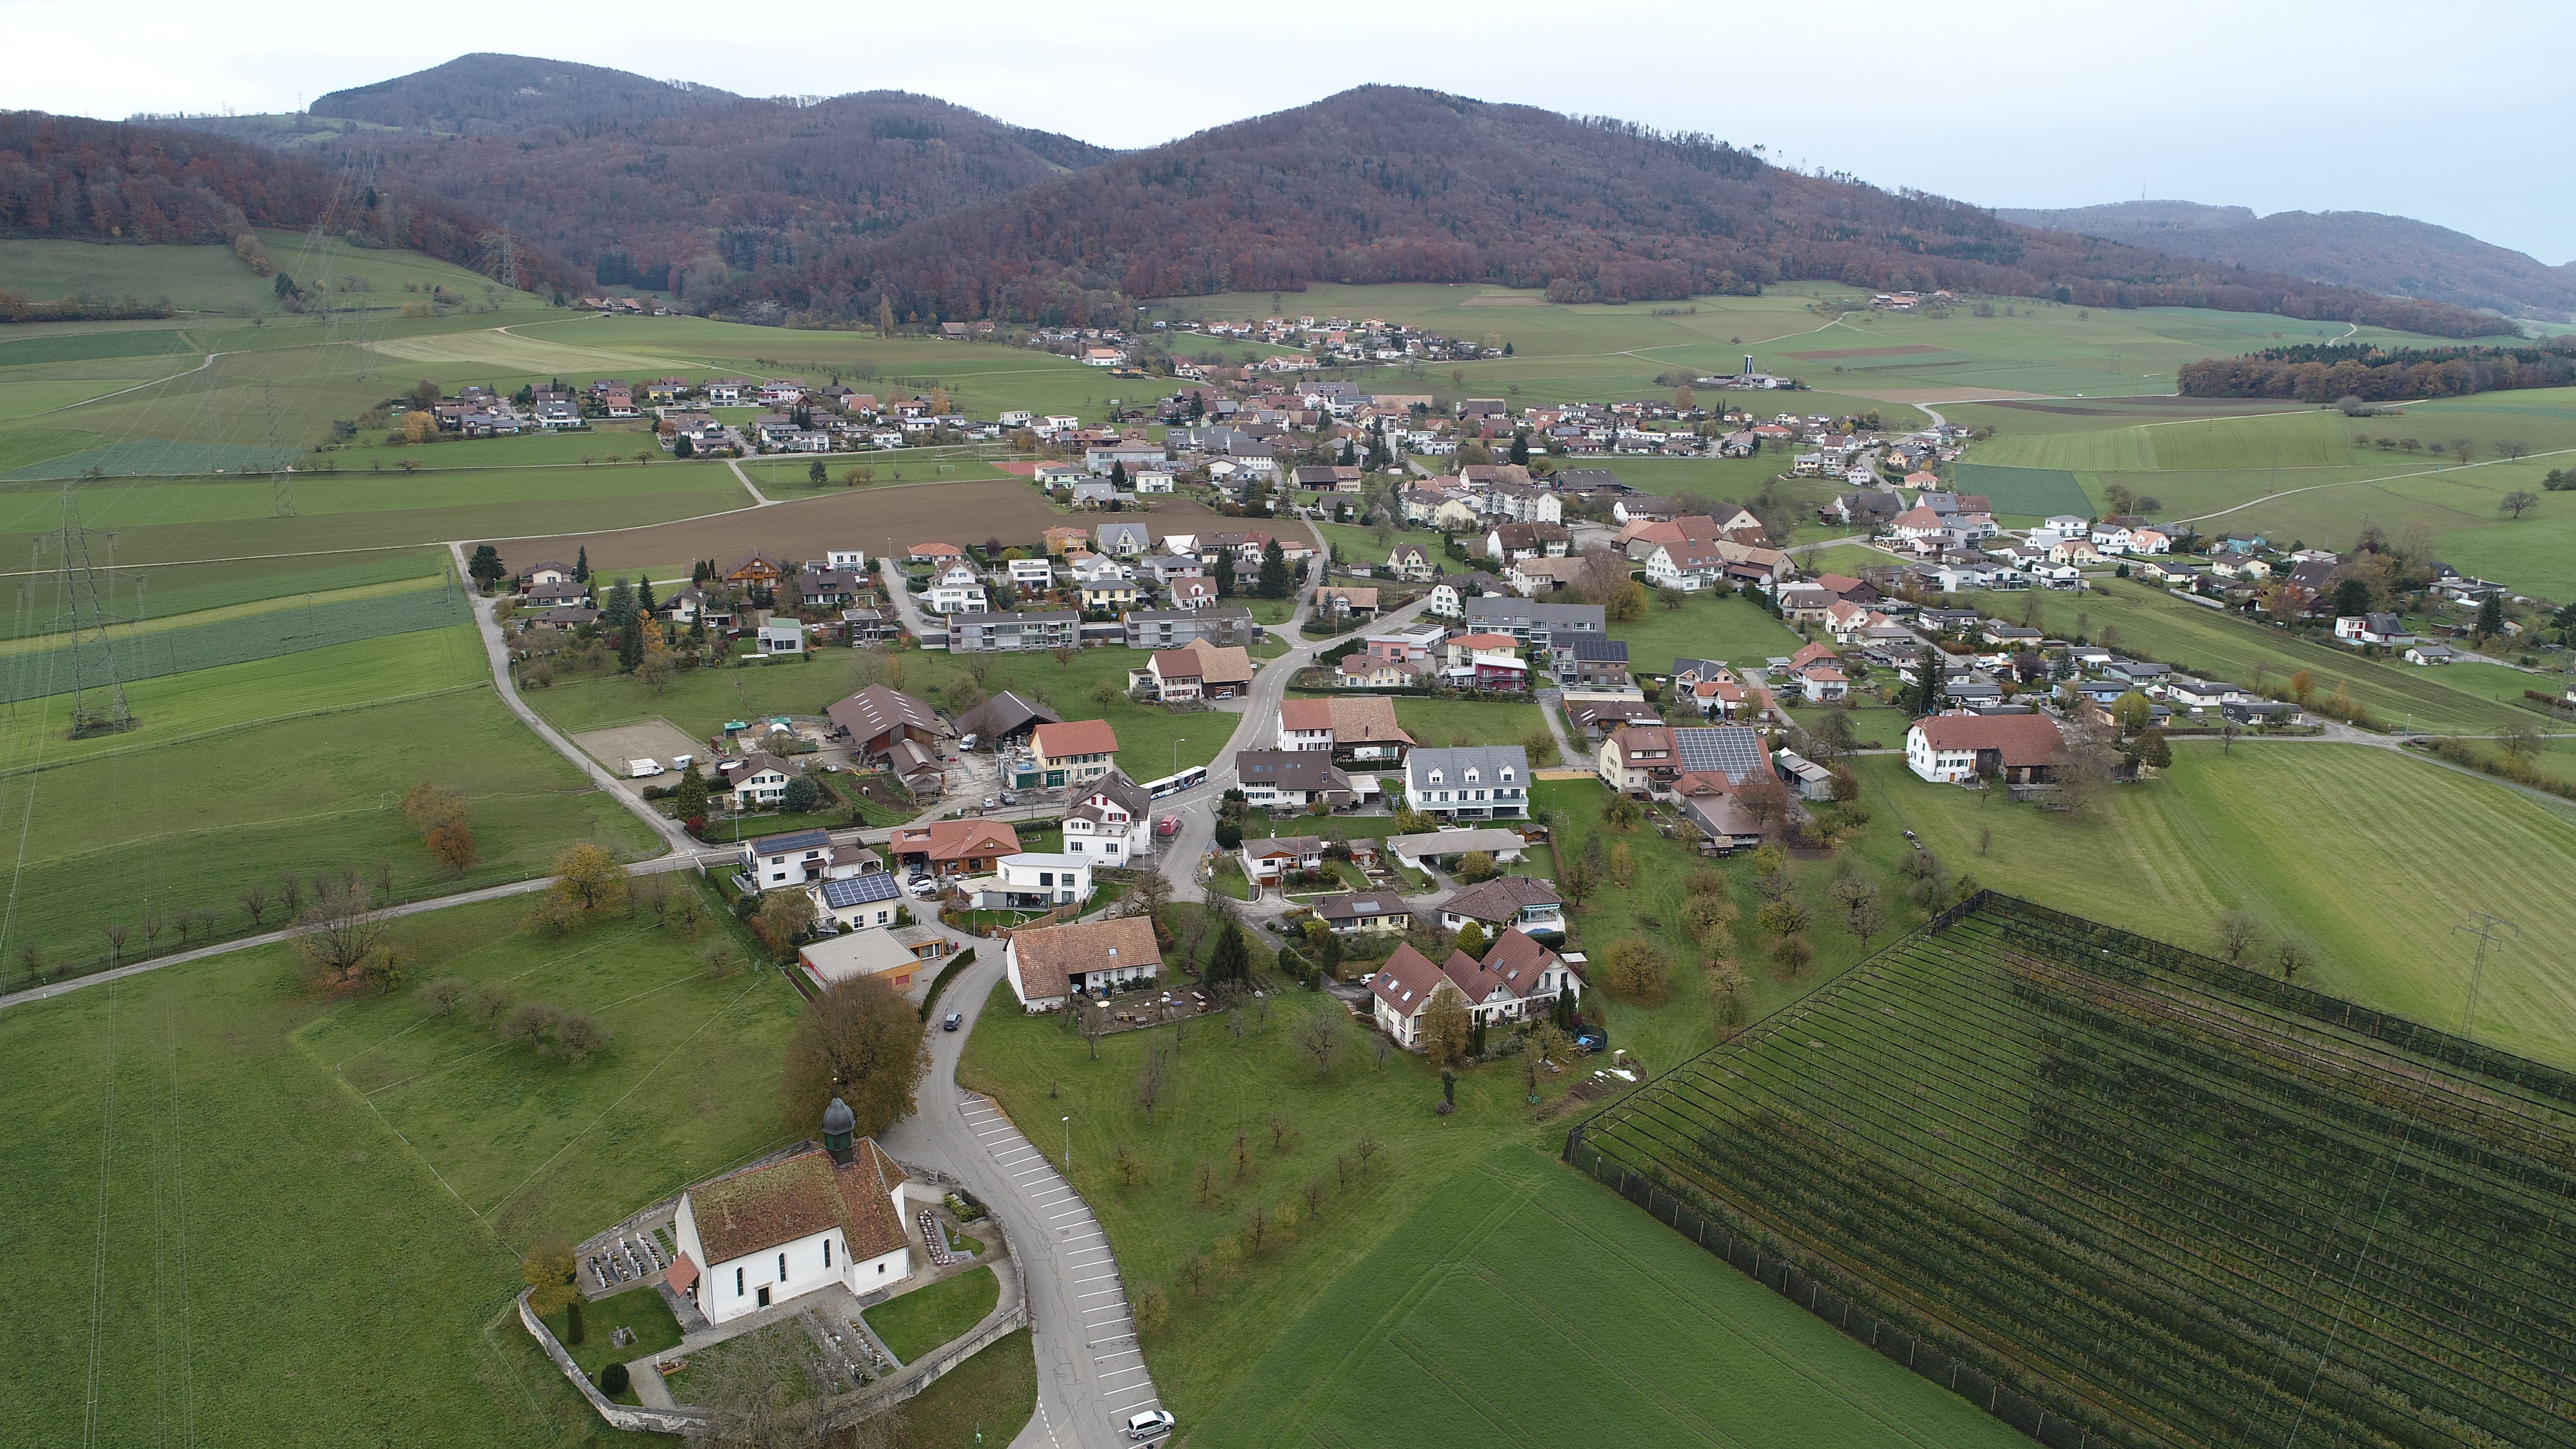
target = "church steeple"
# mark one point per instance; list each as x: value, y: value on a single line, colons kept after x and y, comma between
x: 839, y: 1122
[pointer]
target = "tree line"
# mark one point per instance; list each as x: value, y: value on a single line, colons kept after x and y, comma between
x: 2368, y: 374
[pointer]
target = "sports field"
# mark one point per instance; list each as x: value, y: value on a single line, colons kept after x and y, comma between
x: 1522, y: 1304
x: 252, y: 1240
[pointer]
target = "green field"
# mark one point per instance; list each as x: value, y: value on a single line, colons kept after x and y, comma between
x: 1443, y: 722
x: 1735, y: 630
x: 2367, y: 857
x: 1519, y: 1302
x: 260, y: 1237
x: 2141, y: 617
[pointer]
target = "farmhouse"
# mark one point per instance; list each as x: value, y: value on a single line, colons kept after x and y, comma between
x: 1049, y: 965
x: 1953, y: 749
x: 878, y: 718
x: 777, y: 1230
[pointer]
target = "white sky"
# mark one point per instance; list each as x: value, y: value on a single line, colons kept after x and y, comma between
x: 2436, y: 112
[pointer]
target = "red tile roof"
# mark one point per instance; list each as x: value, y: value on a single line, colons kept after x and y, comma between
x: 2023, y: 739
x: 1076, y: 737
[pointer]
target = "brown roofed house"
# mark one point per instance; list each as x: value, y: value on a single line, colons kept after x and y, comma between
x: 813, y: 1219
x: 1048, y: 965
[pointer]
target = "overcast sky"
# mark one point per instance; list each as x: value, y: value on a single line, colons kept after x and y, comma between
x: 2437, y: 112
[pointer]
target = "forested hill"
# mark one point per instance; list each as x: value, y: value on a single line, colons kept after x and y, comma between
x: 108, y: 181
x: 2392, y: 254
x: 646, y: 182
x: 1385, y: 184
x: 487, y: 93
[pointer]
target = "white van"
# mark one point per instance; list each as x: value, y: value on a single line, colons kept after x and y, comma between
x: 642, y: 769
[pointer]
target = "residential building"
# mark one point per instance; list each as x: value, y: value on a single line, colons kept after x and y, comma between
x: 1032, y: 881
x: 1953, y: 749
x: 1517, y: 978
x: 1049, y: 965
x: 758, y: 780
x: 1353, y: 913
x: 1357, y: 731
x: 781, y: 636
x: 2385, y: 630
x: 796, y: 857
x: 1266, y: 860
x: 859, y: 902
x: 1199, y: 670
x: 1588, y: 661
x: 1529, y: 620
x: 1291, y: 779
x: 1229, y: 625
x: 1507, y: 902
x: 954, y: 847
x: 1110, y: 820
x: 1476, y: 782
x: 978, y: 632
x: 1638, y: 760
x: 1075, y: 752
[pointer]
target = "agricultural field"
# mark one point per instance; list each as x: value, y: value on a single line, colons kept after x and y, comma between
x: 211, y: 279
x: 215, y: 1140
x: 1615, y: 1323
x: 1997, y: 1133
x: 2365, y: 857
x: 1735, y: 629
x: 2145, y: 619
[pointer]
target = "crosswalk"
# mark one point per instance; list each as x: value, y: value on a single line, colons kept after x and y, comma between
x: 1077, y: 1256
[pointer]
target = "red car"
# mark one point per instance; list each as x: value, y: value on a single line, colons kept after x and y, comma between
x: 1169, y: 825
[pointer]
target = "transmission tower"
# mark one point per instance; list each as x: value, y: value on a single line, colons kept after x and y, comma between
x: 281, y: 484
x: 2491, y: 931
x: 98, y: 697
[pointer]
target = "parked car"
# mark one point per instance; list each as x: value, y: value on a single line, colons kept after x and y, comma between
x: 922, y: 887
x: 952, y: 1021
x: 990, y: 802
x: 642, y: 769
x: 1168, y: 825
x: 1151, y: 1424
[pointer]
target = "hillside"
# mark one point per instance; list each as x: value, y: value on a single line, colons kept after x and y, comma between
x: 661, y: 184
x: 2392, y: 254
x: 1386, y: 184
x: 107, y: 181
x: 487, y: 93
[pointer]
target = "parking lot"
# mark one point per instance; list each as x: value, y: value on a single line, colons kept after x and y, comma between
x: 654, y: 740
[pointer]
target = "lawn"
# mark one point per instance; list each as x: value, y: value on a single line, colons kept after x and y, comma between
x: 265, y: 1261
x: 1614, y: 1322
x: 2366, y: 856
x: 641, y: 1309
x: 2206, y: 641
x: 985, y: 1400
x: 184, y: 826
x: 1733, y: 630
x: 925, y: 1318
x: 1439, y: 723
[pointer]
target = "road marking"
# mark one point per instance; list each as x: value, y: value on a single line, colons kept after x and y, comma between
x: 1077, y: 1212
x: 1097, y: 1292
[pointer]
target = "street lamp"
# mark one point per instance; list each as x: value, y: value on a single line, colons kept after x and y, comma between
x: 1068, y: 1147
x: 1176, y: 753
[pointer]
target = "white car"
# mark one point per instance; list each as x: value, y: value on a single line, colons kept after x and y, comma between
x: 1151, y: 1424
x: 925, y: 888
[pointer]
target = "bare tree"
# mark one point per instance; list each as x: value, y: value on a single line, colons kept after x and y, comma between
x: 1091, y: 1020
x: 341, y: 934
x: 1283, y: 1131
x: 115, y: 932
x: 1256, y: 1231
x: 2290, y: 956
x: 254, y: 902
x: 443, y: 994
x: 1152, y: 1079
x: 2236, y: 932
x: 2517, y: 503
x: 1318, y: 1036
x: 1129, y: 1167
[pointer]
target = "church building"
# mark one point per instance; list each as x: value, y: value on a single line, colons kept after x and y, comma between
x: 775, y: 1230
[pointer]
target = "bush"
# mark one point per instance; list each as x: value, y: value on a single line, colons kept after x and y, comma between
x: 613, y: 1380
x: 1635, y: 968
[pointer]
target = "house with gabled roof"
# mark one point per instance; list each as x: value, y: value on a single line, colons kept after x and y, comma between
x: 1048, y: 966
x: 1518, y: 978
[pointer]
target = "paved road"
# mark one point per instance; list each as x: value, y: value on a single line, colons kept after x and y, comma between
x: 758, y: 498
x: 497, y: 650
x: 1091, y: 1375
x: 901, y: 593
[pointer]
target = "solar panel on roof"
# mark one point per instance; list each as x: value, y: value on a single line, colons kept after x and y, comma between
x: 859, y: 890
x: 1732, y: 749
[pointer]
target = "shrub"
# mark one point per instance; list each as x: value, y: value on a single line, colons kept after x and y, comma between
x: 613, y: 1380
x: 1636, y: 968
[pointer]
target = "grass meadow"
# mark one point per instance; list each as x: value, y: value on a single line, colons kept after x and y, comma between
x: 1602, y: 1316
x: 271, y: 1250
x: 2206, y: 641
x: 1439, y: 723
x: 1735, y: 629
x: 294, y: 763
x: 2366, y: 857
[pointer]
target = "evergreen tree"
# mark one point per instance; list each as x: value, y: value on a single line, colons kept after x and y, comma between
x: 2351, y: 597
x: 817, y: 474
x: 1225, y: 573
x: 620, y: 606
x: 2490, y: 617
x: 683, y: 447
x: 1274, y: 572
x: 1934, y: 691
x: 1520, y: 447
x: 689, y: 798
x: 485, y: 567
x: 1230, y: 959
x: 644, y: 601
x: 630, y: 641
x: 581, y: 566
x: 1198, y: 405
x: 1118, y: 475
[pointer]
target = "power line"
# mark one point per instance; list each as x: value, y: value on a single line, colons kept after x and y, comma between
x: 2484, y: 925
x: 97, y: 709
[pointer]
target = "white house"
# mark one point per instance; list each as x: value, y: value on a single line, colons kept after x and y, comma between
x: 777, y: 1230
x: 798, y: 857
x: 1048, y: 966
x: 2383, y: 629
x: 859, y: 902
x: 782, y: 636
x: 1518, y: 978
x: 1030, y: 573
x: 956, y: 590
x: 758, y: 779
x: 1109, y: 820
x: 1032, y: 881
x: 1476, y: 782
